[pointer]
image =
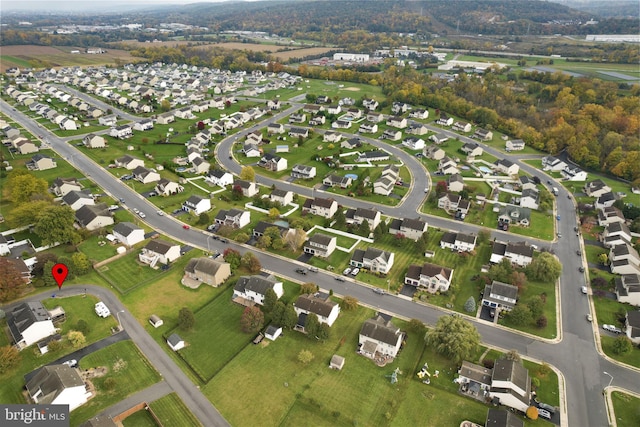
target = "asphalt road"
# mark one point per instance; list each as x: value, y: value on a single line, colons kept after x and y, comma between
x: 575, y: 355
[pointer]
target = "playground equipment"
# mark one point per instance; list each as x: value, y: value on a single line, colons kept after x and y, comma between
x: 394, y: 375
x: 424, y: 374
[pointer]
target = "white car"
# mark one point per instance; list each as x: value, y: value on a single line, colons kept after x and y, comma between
x: 141, y: 214
x: 583, y: 289
x: 355, y: 271
x: 346, y: 271
x: 73, y: 363
x: 135, y: 210
x: 161, y: 213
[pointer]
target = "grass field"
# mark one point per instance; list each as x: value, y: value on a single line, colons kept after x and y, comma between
x: 533, y: 290
x: 129, y: 369
x: 141, y: 418
x: 171, y: 411
x: 127, y: 272
x: 82, y: 308
x: 626, y: 409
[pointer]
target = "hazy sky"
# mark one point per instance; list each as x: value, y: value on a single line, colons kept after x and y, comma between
x: 87, y: 4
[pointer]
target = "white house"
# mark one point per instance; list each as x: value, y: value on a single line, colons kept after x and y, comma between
x: 128, y: 162
x: 28, y: 323
x: 378, y: 336
x: 121, y: 132
x: 413, y: 143
x: 511, y: 385
x: 284, y: 197
x: 518, y: 253
x: 235, y: 218
x: 319, y: 206
x: 303, y: 172
x: 596, y: 188
x: 326, y: 310
x: 219, y: 177
x: 197, y: 204
x: 77, y: 199
x: 165, y: 187
x: 460, y: 242
x: 254, y: 288
x: 94, y: 141
x: 128, y: 233
x: 249, y: 189
x: 506, y: 166
x: 58, y: 385
x: 372, y: 259
x: 460, y: 126
x: 500, y: 296
x: 551, y: 163
x: 359, y: 215
x: 320, y: 245
x: 514, y: 145
x: 628, y: 289
x: 273, y: 162
x: 411, y: 228
x: 159, y: 250
x: 430, y: 277
x: 175, y: 342
x: 632, y: 326
x: 145, y: 175
x: 472, y: 149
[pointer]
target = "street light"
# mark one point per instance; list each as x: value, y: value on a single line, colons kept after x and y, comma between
x: 610, y: 381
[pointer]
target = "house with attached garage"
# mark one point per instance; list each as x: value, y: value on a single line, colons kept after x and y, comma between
x: 359, y: 215
x: 506, y: 166
x: 24, y: 146
x: 451, y: 202
x: 62, y: 186
x: 483, y: 135
x: 108, y: 120
x: 391, y: 134
x: 144, y: 124
x: 500, y: 296
x: 272, y: 162
x: 378, y: 336
x: 40, y: 162
x: 128, y: 162
x: 219, y: 177
x: 320, y: 245
x: 460, y: 242
x: 448, y: 166
x: 197, y: 204
x: 370, y: 104
x: 527, y: 183
x: 433, y: 152
x: 530, y: 198
x: 430, y: 277
x: 341, y: 124
x: 397, y: 122
x: 616, y: 233
x: 384, y: 185
x: 514, y: 145
x: 77, y: 199
x: 200, y: 165
x: 58, y: 385
x: 438, y: 138
x: 368, y: 128
x: 318, y: 304
x: 251, y: 149
x: 297, y: 118
x: 472, y: 149
x: 253, y: 289
x: 444, y: 120
x: 455, y: 183
x: 461, y: 127
x: 518, y: 253
x: 303, y: 172
x: 28, y: 323
x: 400, y: 107
x: 413, y: 143
x: 261, y: 227
x: 331, y: 136
x: 284, y: 197
x: 411, y: 228
x: 514, y: 215
x: 596, y: 188
x: 417, y: 129
x: 624, y: 259
x: 165, y: 118
x: 374, y: 117
x: 628, y: 289
x: 632, y: 326
x: 275, y: 128
x: 372, y: 259
x: 605, y: 200
x: 145, y: 175
x: 249, y: 189
x: 373, y: 156
x: 121, y: 132
x: 609, y: 215
x: 235, y: 218
x: 205, y: 270
x: 554, y: 164
x: 351, y: 143
x: 165, y: 187
x: 94, y: 141
x: 320, y: 206
x: 159, y: 250
x: 333, y: 180
x: 299, y: 132
x: 419, y: 113
x: 94, y: 217
x: 574, y: 173
x: 128, y: 233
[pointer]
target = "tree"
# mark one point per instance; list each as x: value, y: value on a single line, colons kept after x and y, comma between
x: 454, y: 337
x: 470, y: 305
x: 312, y: 324
x: 270, y: 299
x: 441, y: 188
x: 252, y: 320
x: 308, y: 288
x: 76, y: 338
x: 305, y: 357
x: 502, y: 272
x: 340, y: 219
x: 250, y: 262
x: 27, y: 212
x: 512, y: 355
x: 364, y: 229
x: 349, y: 303
x: 290, y: 317
x: 236, y: 192
x: 9, y: 358
x: 110, y: 384
x: 323, y: 331
x: 248, y: 174
x: 532, y: 413
x: 186, y: 319
x: 47, y: 277
x: 82, y: 326
x: 277, y: 313
x: 23, y: 187
x: 55, y: 225
x: 536, y: 306
x: 42, y: 259
x: 80, y: 263
x: 541, y: 322
x: 274, y: 213
x: 165, y: 105
x: 232, y: 257
x: 544, y: 268
x: 519, y: 279
x: 622, y: 345
x: 204, y: 219
x: 520, y: 315
x: 201, y: 125
x: 263, y: 242
x: 416, y: 325
x: 603, y: 258
x: 296, y: 239
x: 11, y: 281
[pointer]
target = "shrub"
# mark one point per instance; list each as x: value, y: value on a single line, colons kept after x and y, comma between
x: 541, y: 322
x: 470, y: 305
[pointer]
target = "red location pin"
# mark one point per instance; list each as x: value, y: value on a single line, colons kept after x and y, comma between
x: 59, y: 272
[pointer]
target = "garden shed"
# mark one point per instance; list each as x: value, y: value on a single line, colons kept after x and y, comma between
x: 337, y: 362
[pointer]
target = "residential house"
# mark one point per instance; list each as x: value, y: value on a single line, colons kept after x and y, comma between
x: 235, y: 218
x: 474, y: 380
x: 500, y: 296
x: 121, y: 132
x: 143, y: 125
x: 397, y: 122
x: 392, y: 135
x: 303, y: 172
x: 334, y: 109
x: 368, y: 128
x: 219, y: 177
x: 205, y: 270
x: 128, y: 233
x: 29, y: 322
x: 254, y: 288
x: 574, y: 173
x: 628, y: 289
x: 519, y: 253
x: 460, y: 242
x: 145, y: 175
x: 313, y: 108
x: 384, y: 185
x: 596, y: 188
x: 249, y: 189
x: 165, y: 118
x: 94, y: 217
x: 372, y: 259
x: 554, y: 164
x: 433, y: 152
x: 448, y: 166
x: 197, y: 205
x: 58, y: 385
x: 62, y: 186
x: 261, y: 227
x: 472, y: 149
x: 254, y: 137
x: 360, y: 215
x: 530, y: 198
x: 419, y: 113
x: 514, y: 145
x: 297, y: 118
x: 605, y: 200
x: 413, y: 143
x: 94, y: 141
x: 608, y: 215
x: 351, y: 143
x: 320, y: 245
x: 411, y: 228
x: 455, y: 183
x: 275, y: 129
x: 40, y: 162
x: 273, y: 162
x: 24, y: 146
x: 251, y: 150
x: 527, y: 183
x: 438, y: 138
x: 450, y: 202
x: 159, y: 250
x: 77, y: 199
x: 299, y: 132
x: 370, y: 104
x: 444, y: 120
x: 284, y: 197
x: 128, y: 162
x: 341, y: 124
x: 632, y: 326
x: 460, y: 126
x: 616, y: 233
x: 378, y: 336
x: 511, y: 385
x: 624, y: 259
x: 165, y: 187
x: 333, y: 180
x: 399, y: 107
x: 506, y: 166
x: 326, y: 310
x: 483, y: 135
x: 331, y: 136
x: 175, y: 342
x: 274, y: 104
x: 430, y: 277
x: 514, y: 215
x: 415, y: 128
x: 502, y: 418
x: 200, y: 166
x: 373, y: 156
x: 319, y: 206
x: 354, y: 113
x: 374, y: 117
x: 108, y: 120
x: 184, y: 113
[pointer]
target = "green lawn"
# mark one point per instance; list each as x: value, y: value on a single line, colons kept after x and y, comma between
x: 626, y: 409
x: 82, y: 308
x: 632, y: 358
x: 141, y: 418
x: 216, y: 323
x: 171, y: 411
x: 126, y: 366
x: 533, y: 290
x: 97, y: 248
x: 127, y: 272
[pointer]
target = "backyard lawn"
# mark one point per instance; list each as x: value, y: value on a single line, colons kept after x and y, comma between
x: 171, y: 411
x: 82, y: 308
x: 626, y: 409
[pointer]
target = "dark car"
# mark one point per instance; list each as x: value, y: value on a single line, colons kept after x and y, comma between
x: 223, y: 240
x: 581, y: 269
x: 301, y: 271
x: 339, y: 278
x: 378, y: 291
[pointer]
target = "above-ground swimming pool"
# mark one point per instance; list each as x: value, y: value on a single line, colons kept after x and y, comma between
x: 352, y: 176
x: 484, y: 169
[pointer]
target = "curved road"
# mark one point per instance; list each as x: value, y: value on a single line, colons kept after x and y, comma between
x: 573, y: 353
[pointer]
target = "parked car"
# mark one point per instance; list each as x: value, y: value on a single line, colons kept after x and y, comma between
x: 73, y: 363
x: 589, y: 318
x: 339, y: 278
x: 141, y: 215
x: 355, y: 271
x: 186, y: 227
x: 378, y: 291
x: 136, y: 211
x: 544, y: 413
x: 578, y: 253
x: 223, y: 240
x: 161, y: 213
x: 313, y: 269
x: 581, y: 269
x: 583, y: 289
x: 346, y: 271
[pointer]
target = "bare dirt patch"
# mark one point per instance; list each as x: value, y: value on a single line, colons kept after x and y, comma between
x: 351, y: 89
